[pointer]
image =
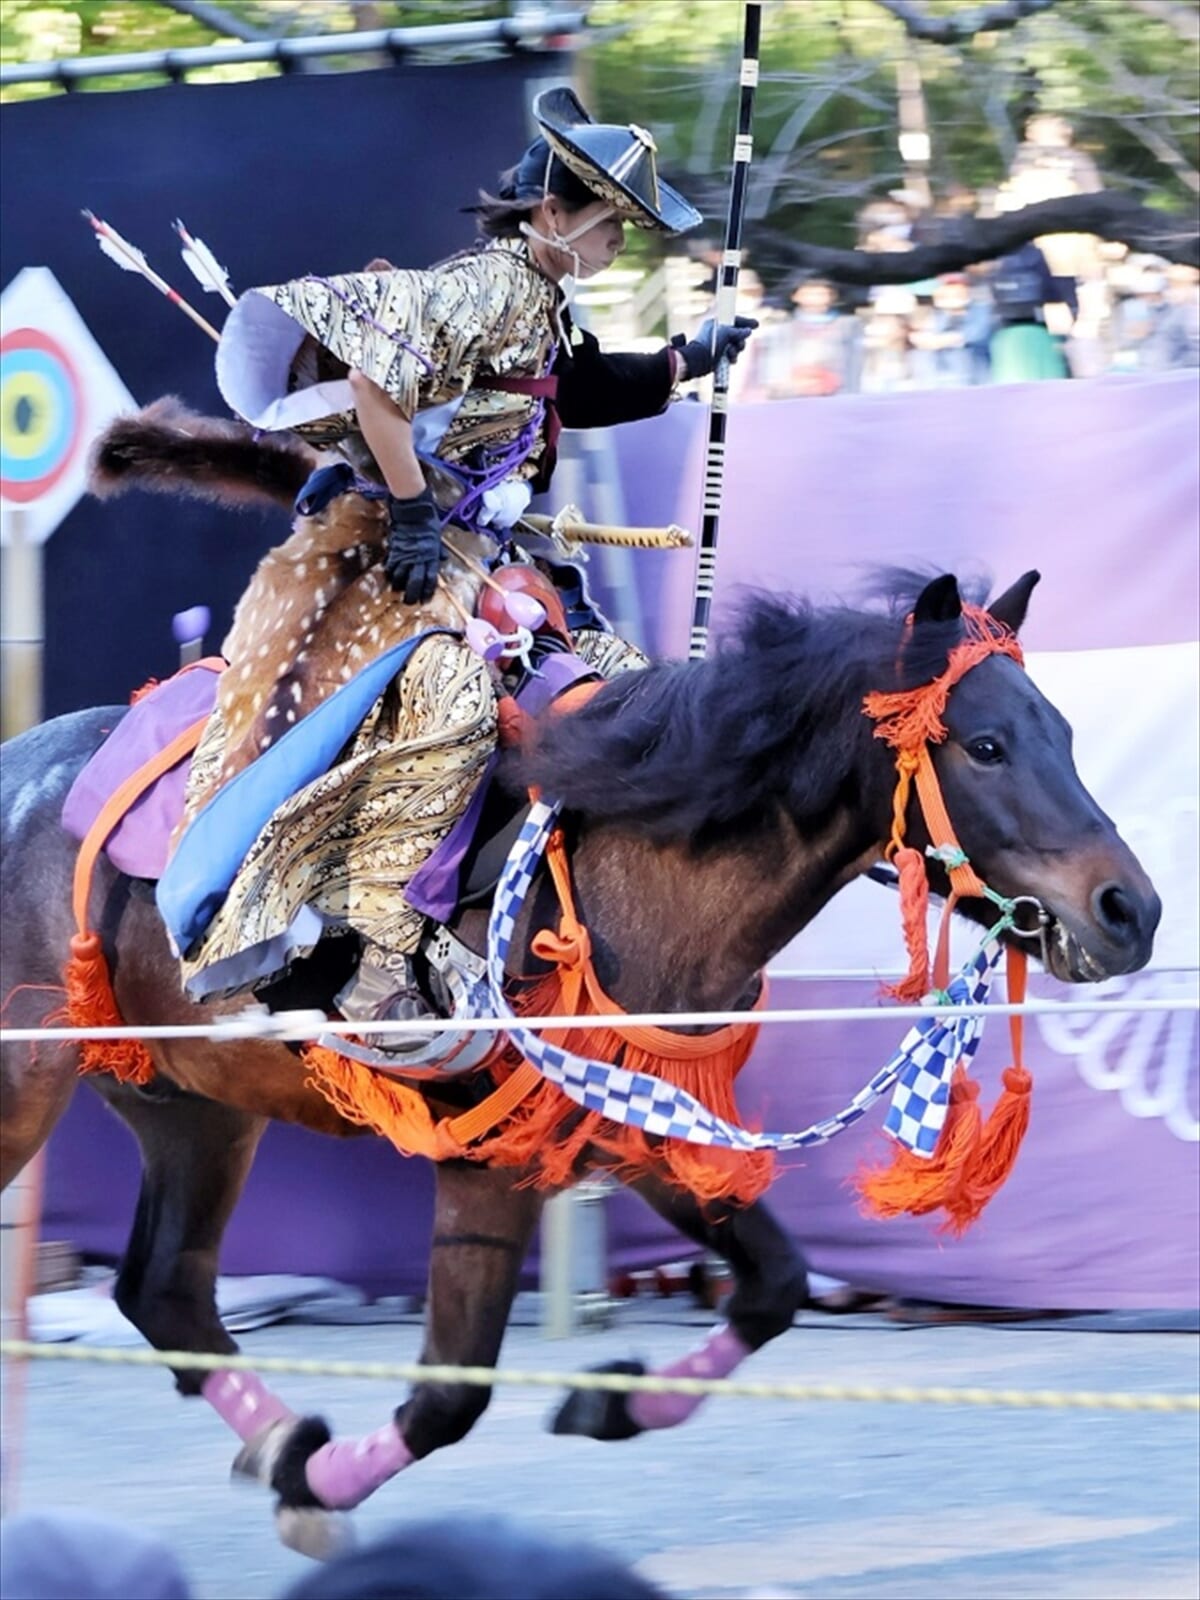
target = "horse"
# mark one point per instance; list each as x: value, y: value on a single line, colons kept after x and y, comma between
x: 713, y: 808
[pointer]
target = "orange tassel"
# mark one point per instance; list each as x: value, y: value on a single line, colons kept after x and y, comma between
x: 92, y: 1004
x: 996, y: 1155
x: 513, y: 724
x: 373, y: 1100
x: 920, y: 1184
x: 147, y: 688
x: 914, y: 909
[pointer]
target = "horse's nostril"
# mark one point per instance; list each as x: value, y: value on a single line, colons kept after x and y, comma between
x: 1115, y: 910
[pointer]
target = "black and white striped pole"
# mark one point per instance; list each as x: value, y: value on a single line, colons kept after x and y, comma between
x: 726, y: 310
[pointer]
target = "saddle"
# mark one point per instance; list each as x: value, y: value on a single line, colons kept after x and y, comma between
x: 128, y: 802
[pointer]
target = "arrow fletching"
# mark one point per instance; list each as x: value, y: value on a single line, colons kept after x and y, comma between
x: 212, y: 277
x: 130, y: 259
x: 127, y: 256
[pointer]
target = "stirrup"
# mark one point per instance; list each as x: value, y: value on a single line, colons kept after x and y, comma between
x: 373, y: 995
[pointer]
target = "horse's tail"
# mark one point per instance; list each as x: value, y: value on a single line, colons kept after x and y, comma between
x: 168, y: 448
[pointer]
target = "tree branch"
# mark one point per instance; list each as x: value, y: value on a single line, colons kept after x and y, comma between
x: 1110, y: 215
x: 1138, y: 89
x: 218, y: 19
x: 962, y: 25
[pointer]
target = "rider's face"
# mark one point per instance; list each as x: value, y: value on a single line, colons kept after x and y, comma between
x: 602, y: 239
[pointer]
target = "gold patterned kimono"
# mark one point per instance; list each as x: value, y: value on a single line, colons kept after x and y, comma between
x: 320, y: 606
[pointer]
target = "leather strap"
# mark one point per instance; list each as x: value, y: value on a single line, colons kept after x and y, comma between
x: 499, y: 1104
x: 122, y: 799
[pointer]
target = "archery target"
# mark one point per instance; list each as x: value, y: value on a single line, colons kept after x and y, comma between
x: 41, y: 414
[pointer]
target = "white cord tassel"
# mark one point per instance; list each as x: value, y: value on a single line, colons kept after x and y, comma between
x: 212, y: 277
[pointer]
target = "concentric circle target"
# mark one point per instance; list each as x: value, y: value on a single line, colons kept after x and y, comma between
x: 41, y: 414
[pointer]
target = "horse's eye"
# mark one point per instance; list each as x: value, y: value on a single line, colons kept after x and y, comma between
x: 986, y: 751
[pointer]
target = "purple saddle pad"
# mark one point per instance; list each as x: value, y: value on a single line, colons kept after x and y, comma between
x: 434, y: 887
x: 138, y: 844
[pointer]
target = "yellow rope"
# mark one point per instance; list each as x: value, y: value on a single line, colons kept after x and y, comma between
x: 613, y: 1382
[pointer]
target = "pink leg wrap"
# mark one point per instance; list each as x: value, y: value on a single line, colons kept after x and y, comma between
x: 345, y: 1471
x: 243, y: 1401
x: 717, y: 1357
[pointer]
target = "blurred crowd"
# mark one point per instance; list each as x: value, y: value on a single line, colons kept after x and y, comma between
x: 1009, y: 321
x: 1065, y: 306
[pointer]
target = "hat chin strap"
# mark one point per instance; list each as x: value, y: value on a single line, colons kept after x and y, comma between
x: 564, y: 241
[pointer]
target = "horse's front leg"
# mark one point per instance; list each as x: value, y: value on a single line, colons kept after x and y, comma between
x: 771, y: 1285
x: 482, y: 1228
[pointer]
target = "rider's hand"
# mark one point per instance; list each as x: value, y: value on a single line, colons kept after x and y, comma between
x: 414, y: 550
x: 702, y: 354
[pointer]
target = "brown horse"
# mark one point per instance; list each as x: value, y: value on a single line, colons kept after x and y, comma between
x: 714, y: 809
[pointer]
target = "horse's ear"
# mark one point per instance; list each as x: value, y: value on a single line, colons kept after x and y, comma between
x: 1011, y: 606
x: 938, y: 601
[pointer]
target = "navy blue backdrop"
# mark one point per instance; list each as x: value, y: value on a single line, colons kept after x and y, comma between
x: 309, y: 173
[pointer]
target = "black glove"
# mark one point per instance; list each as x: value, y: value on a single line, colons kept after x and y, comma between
x: 699, y: 355
x: 414, y: 551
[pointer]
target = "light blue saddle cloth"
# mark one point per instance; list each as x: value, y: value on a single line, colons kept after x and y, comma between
x: 210, y: 853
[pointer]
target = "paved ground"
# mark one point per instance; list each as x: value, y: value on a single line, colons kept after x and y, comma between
x: 750, y: 1498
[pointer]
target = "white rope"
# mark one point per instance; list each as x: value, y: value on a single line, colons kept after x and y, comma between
x: 304, y: 1026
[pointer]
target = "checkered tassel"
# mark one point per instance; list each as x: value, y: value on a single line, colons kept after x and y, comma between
x: 935, y: 1117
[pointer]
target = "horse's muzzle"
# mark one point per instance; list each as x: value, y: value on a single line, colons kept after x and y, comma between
x: 1115, y: 936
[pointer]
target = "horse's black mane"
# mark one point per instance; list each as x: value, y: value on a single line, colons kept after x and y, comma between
x: 683, y: 751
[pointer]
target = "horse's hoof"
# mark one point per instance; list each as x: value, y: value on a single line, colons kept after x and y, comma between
x: 256, y: 1459
x: 277, y: 1458
x: 320, y: 1535
x: 596, y: 1413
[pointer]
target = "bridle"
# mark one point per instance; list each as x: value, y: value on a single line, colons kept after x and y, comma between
x: 911, y: 721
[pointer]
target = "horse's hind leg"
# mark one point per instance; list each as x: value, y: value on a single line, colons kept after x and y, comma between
x: 35, y: 1086
x: 482, y: 1227
x: 771, y: 1285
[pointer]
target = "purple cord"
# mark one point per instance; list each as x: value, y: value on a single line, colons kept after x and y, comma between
x: 361, y: 311
x: 481, y: 479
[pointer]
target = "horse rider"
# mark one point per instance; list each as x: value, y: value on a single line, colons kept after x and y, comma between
x: 442, y: 392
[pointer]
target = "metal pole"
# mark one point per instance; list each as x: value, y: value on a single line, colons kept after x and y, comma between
x: 726, y: 309
x: 21, y: 627
x: 20, y: 1224
x: 501, y: 32
x: 557, y: 1276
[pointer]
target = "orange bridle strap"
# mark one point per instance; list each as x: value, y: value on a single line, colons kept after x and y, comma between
x: 910, y: 720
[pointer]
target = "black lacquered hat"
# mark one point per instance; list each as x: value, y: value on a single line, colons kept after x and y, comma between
x: 616, y: 163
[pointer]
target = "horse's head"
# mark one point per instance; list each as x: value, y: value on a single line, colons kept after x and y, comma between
x: 1022, y: 815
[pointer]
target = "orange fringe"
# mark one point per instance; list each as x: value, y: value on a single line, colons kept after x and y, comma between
x: 914, y: 909
x: 91, y: 1004
x: 910, y: 718
x: 547, y: 1134
x: 551, y: 1132
x: 920, y: 1184
x: 373, y: 1100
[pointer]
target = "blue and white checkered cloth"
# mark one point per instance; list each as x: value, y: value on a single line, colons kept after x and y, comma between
x: 920, y: 1070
